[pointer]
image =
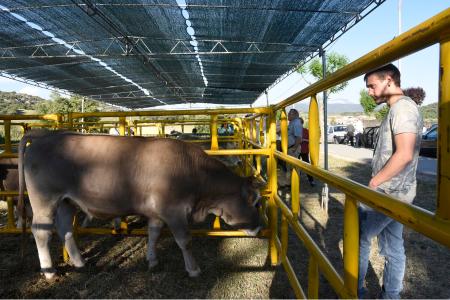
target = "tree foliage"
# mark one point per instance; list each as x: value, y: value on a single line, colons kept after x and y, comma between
x: 14, y: 103
x: 415, y: 93
x: 367, y: 102
x: 430, y: 111
x: 63, y: 105
x: 334, y: 62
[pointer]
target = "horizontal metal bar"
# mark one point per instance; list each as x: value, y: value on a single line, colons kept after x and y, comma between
x: 239, y: 152
x: 412, y: 216
x: 325, y: 265
x: 144, y: 231
x: 415, y: 39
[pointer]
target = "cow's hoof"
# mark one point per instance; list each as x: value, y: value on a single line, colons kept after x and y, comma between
x: 194, y: 273
x: 152, y: 263
x: 50, y: 275
x: 78, y: 264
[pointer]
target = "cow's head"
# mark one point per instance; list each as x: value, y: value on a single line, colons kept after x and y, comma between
x: 241, y: 211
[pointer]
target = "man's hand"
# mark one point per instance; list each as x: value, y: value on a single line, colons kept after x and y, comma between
x: 373, y: 184
x: 403, y: 155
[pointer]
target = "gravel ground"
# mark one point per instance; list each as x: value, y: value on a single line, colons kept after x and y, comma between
x: 231, y: 267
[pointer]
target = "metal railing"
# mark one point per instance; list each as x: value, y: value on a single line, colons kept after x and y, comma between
x: 257, y: 141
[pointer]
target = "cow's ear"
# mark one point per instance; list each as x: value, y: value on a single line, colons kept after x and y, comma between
x: 256, y: 182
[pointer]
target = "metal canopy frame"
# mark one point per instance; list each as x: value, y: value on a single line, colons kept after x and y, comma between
x: 145, y: 53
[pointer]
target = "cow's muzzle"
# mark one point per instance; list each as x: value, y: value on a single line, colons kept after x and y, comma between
x: 252, y: 232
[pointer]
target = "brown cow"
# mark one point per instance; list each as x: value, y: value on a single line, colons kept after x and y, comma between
x: 168, y: 181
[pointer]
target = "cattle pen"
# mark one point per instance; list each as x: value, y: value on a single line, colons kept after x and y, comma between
x: 254, y: 145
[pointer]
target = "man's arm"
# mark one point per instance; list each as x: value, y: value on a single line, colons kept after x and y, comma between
x: 404, y: 144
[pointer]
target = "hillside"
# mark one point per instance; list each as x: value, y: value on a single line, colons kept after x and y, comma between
x: 429, y: 111
x: 13, y: 103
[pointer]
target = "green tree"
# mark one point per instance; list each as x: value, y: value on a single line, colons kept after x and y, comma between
x: 381, y: 114
x: 334, y: 62
x: 63, y: 105
x: 369, y: 106
x: 367, y: 102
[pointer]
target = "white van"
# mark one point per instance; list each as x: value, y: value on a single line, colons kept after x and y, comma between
x: 336, y: 133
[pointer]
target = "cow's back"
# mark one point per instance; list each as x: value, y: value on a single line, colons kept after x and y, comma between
x: 120, y: 173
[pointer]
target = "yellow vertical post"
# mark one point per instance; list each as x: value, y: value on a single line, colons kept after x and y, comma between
x: 313, y: 278
x: 284, y: 131
x: 213, y: 132
x: 273, y: 210
x: 295, y: 193
x: 443, y: 155
x: 214, y: 146
x: 135, y: 124
x: 314, y: 131
x: 248, y: 136
x: 7, y: 127
x: 253, y: 130
x: 10, y: 203
x: 284, y: 237
x: 351, y: 245
x: 70, y: 120
x: 59, y: 120
x: 261, y: 131
x: 122, y: 126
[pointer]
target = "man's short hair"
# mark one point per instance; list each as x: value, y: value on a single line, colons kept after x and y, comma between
x: 384, y: 71
x: 294, y: 112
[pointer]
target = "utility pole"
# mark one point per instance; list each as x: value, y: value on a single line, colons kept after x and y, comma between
x: 325, y: 198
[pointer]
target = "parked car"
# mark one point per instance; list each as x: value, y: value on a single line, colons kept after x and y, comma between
x: 428, y: 145
x: 336, y: 133
x: 369, y: 137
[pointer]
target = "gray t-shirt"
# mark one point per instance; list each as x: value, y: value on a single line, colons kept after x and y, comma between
x: 295, y: 130
x: 403, y: 117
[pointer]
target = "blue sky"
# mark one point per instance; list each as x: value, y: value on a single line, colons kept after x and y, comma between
x: 420, y: 69
x: 379, y: 27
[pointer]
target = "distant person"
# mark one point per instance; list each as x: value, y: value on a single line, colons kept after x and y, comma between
x: 222, y: 129
x: 194, y: 130
x: 359, y: 130
x: 350, y: 134
x: 295, y: 132
x: 304, y: 152
x: 394, y: 167
x: 281, y: 163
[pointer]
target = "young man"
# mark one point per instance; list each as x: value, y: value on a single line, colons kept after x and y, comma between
x: 394, y: 167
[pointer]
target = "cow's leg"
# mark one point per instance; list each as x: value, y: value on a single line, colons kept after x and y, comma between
x: 64, y: 226
x: 180, y: 231
x: 42, y: 231
x: 154, y: 230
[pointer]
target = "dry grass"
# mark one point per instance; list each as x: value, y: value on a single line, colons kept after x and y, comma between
x: 232, y: 267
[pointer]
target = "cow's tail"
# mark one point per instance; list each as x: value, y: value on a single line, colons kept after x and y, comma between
x: 27, y: 138
x: 21, y: 202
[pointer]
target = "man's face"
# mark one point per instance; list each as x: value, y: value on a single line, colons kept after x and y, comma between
x: 291, y: 115
x: 378, y: 88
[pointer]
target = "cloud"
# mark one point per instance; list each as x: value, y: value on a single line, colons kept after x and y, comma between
x: 35, y: 91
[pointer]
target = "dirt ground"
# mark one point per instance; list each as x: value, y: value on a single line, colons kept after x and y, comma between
x: 231, y: 267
